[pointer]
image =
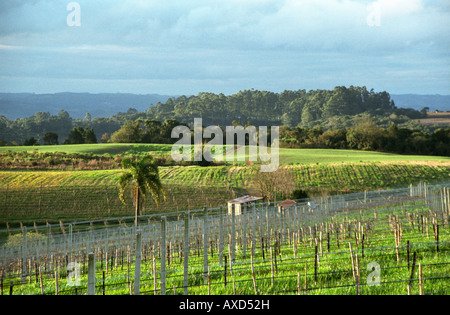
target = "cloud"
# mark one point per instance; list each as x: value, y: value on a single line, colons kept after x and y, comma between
x: 226, y: 44
x: 9, y: 47
x: 220, y: 24
x: 398, y: 8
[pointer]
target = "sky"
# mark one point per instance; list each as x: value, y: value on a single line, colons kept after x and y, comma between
x: 184, y: 47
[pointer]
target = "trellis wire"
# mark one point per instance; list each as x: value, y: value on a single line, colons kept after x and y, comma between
x: 261, y: 225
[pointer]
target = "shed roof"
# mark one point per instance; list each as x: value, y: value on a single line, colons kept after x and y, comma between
x: 244, y: 199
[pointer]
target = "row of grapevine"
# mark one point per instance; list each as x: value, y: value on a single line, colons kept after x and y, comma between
x: 318, y: 246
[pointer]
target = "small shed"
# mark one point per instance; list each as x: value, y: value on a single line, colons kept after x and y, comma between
x: 239, y: 202
x: 285, y: 204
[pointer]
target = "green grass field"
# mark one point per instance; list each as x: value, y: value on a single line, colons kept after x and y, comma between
x: 329, y: 156
x: 287, y: 156
x: 99, y: 149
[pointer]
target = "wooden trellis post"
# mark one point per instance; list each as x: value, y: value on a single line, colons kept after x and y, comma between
x: 233, y: 236
x: 137, y: 263
x: 163, y: 255
x: 205, y: 244
x: 186, y: 253
x: 91, y: 274
x: 221, y: 236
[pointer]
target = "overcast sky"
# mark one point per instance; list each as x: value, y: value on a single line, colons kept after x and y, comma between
x: 185, y: 47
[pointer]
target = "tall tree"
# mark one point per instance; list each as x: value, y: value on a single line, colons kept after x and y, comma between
x: 143, y: 179
x: 31, y: 142
x: 51, y: 138
x: 89, y: 136
x: 76, y: 136
x: 131, y: 132
x: 80, y: 135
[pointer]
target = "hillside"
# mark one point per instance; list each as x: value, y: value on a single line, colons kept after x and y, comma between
x: 83, y: 189
x: 110, y: 151
x: 88, y: 195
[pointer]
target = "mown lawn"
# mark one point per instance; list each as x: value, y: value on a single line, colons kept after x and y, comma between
x: 287, y: 156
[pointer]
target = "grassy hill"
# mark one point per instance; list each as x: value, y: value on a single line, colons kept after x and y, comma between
x: 28, y: 195
x: 330, y: 156
x: 287, y: 156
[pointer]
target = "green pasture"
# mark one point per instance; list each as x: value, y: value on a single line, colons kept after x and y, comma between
x: 287, y: 156
x: 329, y: 156
x: 98, y: 149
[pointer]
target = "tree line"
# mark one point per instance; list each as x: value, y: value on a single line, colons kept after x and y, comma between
x: 363, y: 135
x: 289, y: 108
x: 368, y: 136
x: 325, y: 111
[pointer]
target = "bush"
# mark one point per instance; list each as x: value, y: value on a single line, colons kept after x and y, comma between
x: 299, y: 194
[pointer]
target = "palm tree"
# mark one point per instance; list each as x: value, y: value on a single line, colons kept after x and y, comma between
x: 143, y: 178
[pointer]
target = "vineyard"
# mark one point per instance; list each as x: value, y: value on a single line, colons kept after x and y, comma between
x: 376, y: 242
x: 51, y: 196
x: 54, y: 203
x: 332, y: 178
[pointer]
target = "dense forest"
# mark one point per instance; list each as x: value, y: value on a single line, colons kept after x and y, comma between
x: 289, y: 108
x: 305, y: 117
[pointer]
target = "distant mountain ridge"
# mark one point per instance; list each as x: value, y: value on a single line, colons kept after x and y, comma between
x: 417, y: 102
x: 19, y: 105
